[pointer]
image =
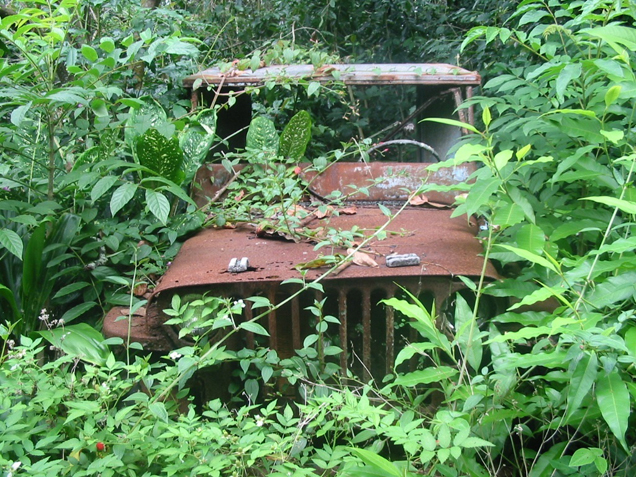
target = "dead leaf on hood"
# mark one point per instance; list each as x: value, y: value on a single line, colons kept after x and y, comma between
x: 362, y: 259
x: 239, y: 196
x: 419, y: 200
x: 349, y: 210
x: 140, y: 289
x: 325, y: 212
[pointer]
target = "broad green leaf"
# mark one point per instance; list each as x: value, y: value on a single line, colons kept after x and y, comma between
x: 78, y: 311
x: 158, y: 409
x: 377, y: 461
x: 507, y: 215
x: 614, y: 136
x: 313, y: 88
x: 567, y: 74
x: 122, y: 195
x: 626, y: 206
x: 102, y: 186
x: 158, y: 204
x: 502, y: 158
x: 262, y: 135
x: 89, y: 53
x: 585, y: 456
x: 583, y: 378
x: 296, y: 136
x: 452, y: 122
x: 467, y: 333
x: 486, y: 117
x: 142, y: 117
x: 531, y: 257
x: 161, y: 155
x: 12, y: 242
x: 480, y: 193
x: 471, y: 442
x: 72, y: 288
x: 80, y: 340
x: 615, y: 34
x: 19, y: 113
x: 7, y: 294
x: 536, y: 296
x: 426, y: 376
x: 613, y: 401
x: 530, y: 237
x: 613, y: 290
x: 254, y: 328
x: 612, y: 95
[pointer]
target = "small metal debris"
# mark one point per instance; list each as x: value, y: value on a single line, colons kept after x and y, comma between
x: 238, y: 266
x: 403, y: 260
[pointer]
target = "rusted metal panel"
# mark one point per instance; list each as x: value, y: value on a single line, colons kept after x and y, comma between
x: 350, y: 74
x: 383, y: 180
x: 447, y: 247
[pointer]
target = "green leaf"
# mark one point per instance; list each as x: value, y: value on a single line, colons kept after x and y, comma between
x: 613, y: 401
x: 531, y: 238
x: 122, y: 195
x: 615, y: 34
x: 12, y: 242
x: 480, y: 193
x: 158, y: 205
x: 452, y: 122
x: 161, y: 155
x: 426, y: 376
x: 102, y: 186
x: 626, y: 206
x: 376, y: 461
x: 296, y: 136
x: 585, y: 456
x: 313, y: 88
x: 19, y: 113
x: 7, y: 294
x: 531, y: 257
x: 77, y: 311
x: 254, y: 328
x: 567, y: 74
x: 472, y: 442
x: 80, y: 340
x: 613, y: 290
x: 507, y: 215
x: 262, y: 135
x: 583, y: 379
x: 467, y: 333
x: 612, y: 95
x: 158, y: 409
x: 89, y: 53
x: 72, y: 288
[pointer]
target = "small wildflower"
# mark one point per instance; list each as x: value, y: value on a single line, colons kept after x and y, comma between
x: 260, y: 421
x: 100, y: 447
x: 239, y: 303
x: 16, y: 465
x: 10, y: 344
x: 174, y: 355
x: 44, y: 316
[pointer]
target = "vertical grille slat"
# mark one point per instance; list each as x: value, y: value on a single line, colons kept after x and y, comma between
x: 366, y: 330
x: 342, y: 316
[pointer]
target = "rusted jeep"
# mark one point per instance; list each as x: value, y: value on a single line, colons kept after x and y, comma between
x: 434, y: 248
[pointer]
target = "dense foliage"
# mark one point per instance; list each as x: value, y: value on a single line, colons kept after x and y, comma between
x: 98, y: 151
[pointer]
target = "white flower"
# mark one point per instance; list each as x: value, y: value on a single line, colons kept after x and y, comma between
x: 174, y: 355
x: 16, y: 465
x: 44, y: 316
x: 240, y: 303
x: 260, y: 421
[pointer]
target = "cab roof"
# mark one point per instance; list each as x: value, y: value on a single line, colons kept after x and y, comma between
x: 349, y: 74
